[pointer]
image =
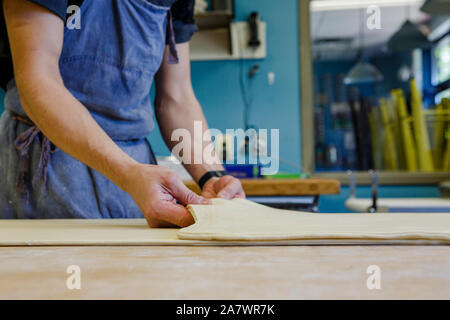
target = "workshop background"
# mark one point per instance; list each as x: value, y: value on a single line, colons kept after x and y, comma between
x: 276, y: 102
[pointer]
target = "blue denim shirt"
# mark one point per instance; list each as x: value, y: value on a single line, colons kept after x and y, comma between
x: 183, y: 25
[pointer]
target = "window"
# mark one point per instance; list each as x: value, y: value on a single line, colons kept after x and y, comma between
x: 380, y: 89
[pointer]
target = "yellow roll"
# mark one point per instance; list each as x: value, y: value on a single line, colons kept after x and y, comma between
x: 420, y: 130
x: 409, y: 148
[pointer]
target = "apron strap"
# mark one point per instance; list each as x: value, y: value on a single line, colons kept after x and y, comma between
x: 173, y: 53
x: 23, y: 143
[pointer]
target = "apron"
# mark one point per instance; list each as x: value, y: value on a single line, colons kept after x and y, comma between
x: 108, y: 65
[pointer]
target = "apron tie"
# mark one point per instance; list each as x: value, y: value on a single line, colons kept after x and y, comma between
x: 23, y: 143
x: 173, y: 53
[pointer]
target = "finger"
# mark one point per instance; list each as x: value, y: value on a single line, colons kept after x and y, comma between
x: 208, y: 194
x: 222, y: 183
x: 180, y: 192
x: 240, y: 195
x: 230, y: 190
x: 156, y: 223
x: 175, y: 214
x: 184, y: 195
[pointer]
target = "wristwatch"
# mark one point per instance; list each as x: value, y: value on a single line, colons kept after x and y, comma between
x: 209, y: 175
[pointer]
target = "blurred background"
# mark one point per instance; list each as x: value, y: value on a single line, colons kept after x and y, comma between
x: 351, y: 84
x: 381, y: 79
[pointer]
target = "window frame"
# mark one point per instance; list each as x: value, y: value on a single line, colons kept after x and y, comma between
x: 307, y: 121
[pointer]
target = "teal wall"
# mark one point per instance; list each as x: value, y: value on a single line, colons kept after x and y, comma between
x: 216, y: 83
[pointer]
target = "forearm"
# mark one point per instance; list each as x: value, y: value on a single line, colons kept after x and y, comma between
x: 36, y: 38
x: 182, y: 112
x: 69, y: 125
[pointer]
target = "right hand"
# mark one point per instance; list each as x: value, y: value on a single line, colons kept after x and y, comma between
x: 155, y: 190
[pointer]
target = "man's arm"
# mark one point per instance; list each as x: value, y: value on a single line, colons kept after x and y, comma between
x: 177, y: 107
x: 36, y: 37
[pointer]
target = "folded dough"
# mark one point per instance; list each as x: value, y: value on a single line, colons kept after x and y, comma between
x: 243, y: 220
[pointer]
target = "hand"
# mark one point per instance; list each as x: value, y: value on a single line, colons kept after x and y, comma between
x: 155, y: 190
x: 227, y: 187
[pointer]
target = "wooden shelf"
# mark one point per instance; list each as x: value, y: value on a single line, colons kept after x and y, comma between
x: 283, y: 187
x: 213, y: 19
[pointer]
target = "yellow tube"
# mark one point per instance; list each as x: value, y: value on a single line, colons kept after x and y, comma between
x: 409, y: 148
x: 420, y: 130
x: 439, y: 136
x: 446, y: 158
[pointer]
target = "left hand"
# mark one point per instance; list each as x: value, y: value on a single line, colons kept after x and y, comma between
x: 226, y: 187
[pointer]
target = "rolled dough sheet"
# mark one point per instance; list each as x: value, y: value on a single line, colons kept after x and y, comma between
x: 236, y: 222
x: 242, y: 220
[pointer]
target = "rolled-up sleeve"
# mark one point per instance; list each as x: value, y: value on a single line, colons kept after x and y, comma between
x: 183, y: 20
x: 58, y: 7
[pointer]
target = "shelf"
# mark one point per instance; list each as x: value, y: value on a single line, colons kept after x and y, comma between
x: 228, y: 43
x: 213, y: 19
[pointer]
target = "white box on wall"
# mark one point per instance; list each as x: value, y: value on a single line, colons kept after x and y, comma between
x: 228, y: 43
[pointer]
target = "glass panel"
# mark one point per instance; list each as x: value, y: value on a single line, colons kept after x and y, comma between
x: 381, y: 78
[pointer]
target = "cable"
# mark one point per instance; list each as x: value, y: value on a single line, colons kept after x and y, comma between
x: 245, y: 96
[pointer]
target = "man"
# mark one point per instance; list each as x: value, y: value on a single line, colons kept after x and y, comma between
x: 72, y: 136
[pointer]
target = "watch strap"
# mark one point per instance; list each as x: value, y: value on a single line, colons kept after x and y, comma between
x: 208, y: 175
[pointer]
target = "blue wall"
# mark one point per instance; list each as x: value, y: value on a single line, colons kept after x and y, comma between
x: 216, y: 83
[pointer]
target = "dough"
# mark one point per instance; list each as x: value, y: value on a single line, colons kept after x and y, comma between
x: 236, y: 222
x: 242, y: 220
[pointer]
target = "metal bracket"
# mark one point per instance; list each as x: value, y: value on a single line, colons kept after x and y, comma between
x: 374, y: 177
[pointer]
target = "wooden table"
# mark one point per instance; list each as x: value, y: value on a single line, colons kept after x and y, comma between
x: 298, y: 272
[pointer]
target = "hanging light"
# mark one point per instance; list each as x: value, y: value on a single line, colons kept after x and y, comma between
x: 363, y: 71
x: 407, y: 38
x: 437, y: 7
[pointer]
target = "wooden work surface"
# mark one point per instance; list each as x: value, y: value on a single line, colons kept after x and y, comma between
x: 283, y: 187
x: 407, y: 272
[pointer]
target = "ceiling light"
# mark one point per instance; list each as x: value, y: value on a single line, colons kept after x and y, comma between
x: 437, y: 7
x: 363, y: 72
x: 407, y: 38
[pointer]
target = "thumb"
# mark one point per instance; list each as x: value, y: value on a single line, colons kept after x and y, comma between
x: 185, y: 196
